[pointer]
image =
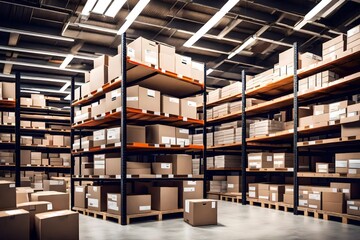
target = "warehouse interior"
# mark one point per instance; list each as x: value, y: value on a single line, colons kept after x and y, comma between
x: 238, y: 118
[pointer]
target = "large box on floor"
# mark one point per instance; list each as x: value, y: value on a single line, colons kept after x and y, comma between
x: 59, y: 200
x: 80, y: 199
x: 15, y: 224
x: 190, y: 190
x: 8, y: 195
x: 97, y: 196
x: 34, y: 208
x: 200, y: 212
x: 164, y: 198
x: 58, y: 225
x: 54, y: 185
x: 136, y: 204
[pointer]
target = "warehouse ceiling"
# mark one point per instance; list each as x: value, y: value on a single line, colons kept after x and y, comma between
x: 37, y: 35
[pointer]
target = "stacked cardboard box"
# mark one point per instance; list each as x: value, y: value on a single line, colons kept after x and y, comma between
x: 196, y: 166
x: 220, y: 110
x: 289, y: 194
x: 353, y: 38
x: 283, y: 160
x: 265, y: 127
x: 6, y: 157
x: 308, y: 59
x: 334, y: 47
x: 227, y: 161
x: 210, y: 162
x: 214, y: 95
x: 260, y: 79
x: 233, y: 184
x: 218, y: 184
x: 225, y: 136
x: 232, y: 89
x: 136, y: 204
x: 317, y: 81
x: 353, y: 207
x: 260, y: 160
x: 7, y: 91
x: 347, y: 163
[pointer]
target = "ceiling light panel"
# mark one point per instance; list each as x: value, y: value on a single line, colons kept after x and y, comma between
x: 101, y: 6
x: 88, y: 7
x: 115, y: 8
x: 133, y: 15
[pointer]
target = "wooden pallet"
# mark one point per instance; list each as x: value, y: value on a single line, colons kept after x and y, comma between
x: 271, y: 205
x: 169, y: 212
x: 231, y: 197
x: 96, y: 214
x: 80, y: 210
x: 320, y: 214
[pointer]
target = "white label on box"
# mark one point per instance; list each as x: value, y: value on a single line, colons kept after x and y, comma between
x: 191, y: 104
x: 158, y: 176
x: 289, y: 190
x: 113, y: 206
x: 322, y: 166
x: 132, y: 99
x: 151, y: 93
x: 171, y: 175
x: 353, y: 207
x: 264, y: 197
x: 350, y: 202
x: 313, y: 206
x: 273, y: 197
x: 190, y: 175
x: 150, y: 57
x: 128, y: 175
x: 230, y: 185
x: 311, y: 142
x: 167, y: 115
x: 173, y: 100
x: 252, y: 194
x: 98, y: 166
x: 269, y: 158
x: 192, y: 183
x: 305, y: 192
x: 118, y: 176
x: 131, y: 52
x: 314, y: 196
x: 273, y: 189
x: 182, y: 141
x: 157, y: 145
x: 93, y: 202
x: 303, y: 202
x: 184, y: 130
x: 49, y: 206
x: 144, y: 208
x: 11, y: 185
x: 322, y: 171
x: 165, y: 165
x: 79, y: 189
x: 252, y: 188
x: 213, y: 204
x: 185, y: 119
x: 187, y: 206
x: 346, y: 190
x: 113, y: 197
x: 94, y: 189
x: 55, y: 182
x: 189, y: 189
x: 341, y: 163
x: 168, y: 140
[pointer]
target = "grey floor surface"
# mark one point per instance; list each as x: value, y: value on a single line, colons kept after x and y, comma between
x: 235, y: 222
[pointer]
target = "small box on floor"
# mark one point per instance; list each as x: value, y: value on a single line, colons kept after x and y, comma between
x: 200, y: 212
x: 15, y: 224
x: 8, y: 195
x: 57, y: 225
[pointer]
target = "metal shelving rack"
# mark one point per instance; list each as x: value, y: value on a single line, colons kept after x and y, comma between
x: 125, y: 149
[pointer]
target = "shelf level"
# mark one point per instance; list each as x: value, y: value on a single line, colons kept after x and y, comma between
x: 327, y: 175
x: 7, y: 104
x: 44, y: 110
x: 223, y: 100
x: 139, y: 116
x: 330, y: 142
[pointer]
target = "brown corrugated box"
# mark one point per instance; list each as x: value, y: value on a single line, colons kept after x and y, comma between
x: 183, y: 65
x: 276, y: 193
x: 350, y: 190
x: 260, y: 160
x: 341, y: 161
x: 233, y: 184
x: 331, y: 43
x: 101, y: 61
x: 253, y: 190
x: 113, y: 100
x: 167, y: 57
x: 8, y: 90
x: 188, y: 108
x: 54, y: 185
x: 200, y: 212
x: 25, y: 101
x: 333, y: 202
x: 197, y: 71
x: 38, y: 100
x: 97, y: 196
x: 80, y: 199
x: 161, y: 168
x: 181, y: 163
x: 182, y: 136
x: 98, y: 77
x: 57, y: 225
x: 160, y: 134
x: 143, y: 50
x: 112, y: 166
x: 170, y: 105
x: 98, y: 108
x: 99, y: 137
x: 353, y: 207
x: 164, y: 198
x: 190, y: 190
x: 8, y: 195
x: 136, y: 204
x: 288, y: 198
x: 325, y: 167
x: 350, y: 129
x: 59, y: 200
x: 314, y: 200
x: 143, y: 98
x: 15, y: 224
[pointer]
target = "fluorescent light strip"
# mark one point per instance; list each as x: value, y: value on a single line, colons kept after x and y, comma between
x: 215, y: 19
x: 337, y: 4
x: 101, y: 6
x: 300, y: 25
x: 67, y: 60
x: 101, y: 29
x: 133, y: 15
x: 65, y: 87
x: 210, y: 70
x: 68, y: 97
x: 35, y: 34
x: 46, y: 90
x: 29, y: 91
x: 242, y: 47
x: 115, y: 8
x: 88, y: 6
x: 42, y: 79
x: 310, y: 15
x: 41, y: 66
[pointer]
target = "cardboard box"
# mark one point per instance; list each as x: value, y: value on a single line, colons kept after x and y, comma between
x: 350, y: 190
x: 276, y: 193
x: 325, y: 168
x: 182, y: 136
x: 164, y: 198
x: 353, y: 207
x: 143, y: 98
x: 333, y: 202
x: 54, y: 185
x: 59, y: 200
x: 283, y: 160
x: 160, y: 134
x: 101, y: 61
x: 190, y: 190
x: 143, y: 50
x: 15, y: 224
x: 25, y: 101
x: 183, y: 66
x: 98, y: 77
x: 200, y: 212
x: 315, y: 200
x: 136, y: 204
x: 260, y: 160
x: 342, y: 161
x: 170, y: 105
x: 98, y: 108
x: 8, y: 91
x: 167, y: 57
x: 188, y: 108
x: 288, y: 198
x: 57, y: 225
x: 181, y: 163
x: 321, y: 109
x: 162, y: 168
x: 99, y: 164
x: 99, y: 137
x: 8, y: 195
x: 197, y: 71
x: 112, y: 166
x: 253, y: 190
x: 233, y: 184
x: 38, y: 100
x: 350, y: 129
x: 80, y: 199
x: 34, y: 208
x: 113, y: 100
x: 97, y: 196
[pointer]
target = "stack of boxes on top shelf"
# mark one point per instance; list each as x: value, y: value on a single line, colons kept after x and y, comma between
x: 225, y: 184
x: 7, y: 92
x: 28, y: 215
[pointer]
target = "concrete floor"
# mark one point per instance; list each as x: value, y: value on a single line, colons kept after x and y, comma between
x: 235, y: 222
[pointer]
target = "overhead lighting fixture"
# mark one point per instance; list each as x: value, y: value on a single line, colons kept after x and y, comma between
x: 45, y: 90
x: 210, y: 70
x: 310, y: 15
x: 29, y: 91
x: 67, y: 60
x: 215, y: 19
x: 332, y: 8
x: 41, y: 79
x: 115, y: 8
x: 101, y: 6
x: 242, y: 47
x: 65, y: 87
x: 68, y: 97
x: 96, y: 28
x: 88, y: 6
x: 133, y: 15
x: 35, y: 34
